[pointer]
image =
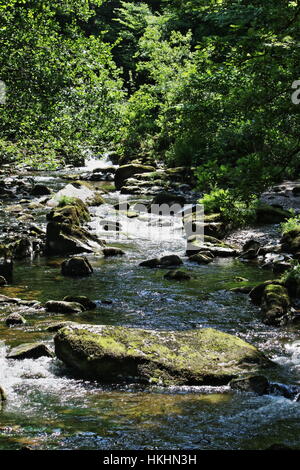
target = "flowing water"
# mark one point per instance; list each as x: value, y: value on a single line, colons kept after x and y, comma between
x: 49, y: 408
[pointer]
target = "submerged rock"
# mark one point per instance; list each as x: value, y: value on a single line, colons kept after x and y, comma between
x: 164, y: 262
x: 15, y: 319
x: 61, y: 306
x: 29, y: 351
x: 76, y: 266
x: 119, y: 354
x: 177, y: 275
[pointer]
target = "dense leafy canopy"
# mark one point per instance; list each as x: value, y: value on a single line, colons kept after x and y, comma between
x: 206, y: 84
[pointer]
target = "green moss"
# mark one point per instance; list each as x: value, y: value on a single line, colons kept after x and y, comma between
x: 189, y: 357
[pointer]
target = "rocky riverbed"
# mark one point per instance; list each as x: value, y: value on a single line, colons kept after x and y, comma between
x: 181, y: 335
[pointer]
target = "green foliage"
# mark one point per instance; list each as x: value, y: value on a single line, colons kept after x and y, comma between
x: 232, y: 210
x: 291, y: 224
x: 292, y: 274
x: 65, y: 201
x: 63, y: 88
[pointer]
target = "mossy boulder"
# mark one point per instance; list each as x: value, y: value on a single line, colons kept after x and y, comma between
x: 70, y: 239
x: 257, y: 292
x: 29, y: 351
x: 291, y: 241
x: 127, y: 171
x: 74, y: 213
x: 275, y: 304
x: 118, y: 354
x: 266, y: 214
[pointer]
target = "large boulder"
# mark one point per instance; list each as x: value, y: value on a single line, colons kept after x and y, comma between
x: 78, y: 190
x: 119, y: 354
x: 127, y: 171
x: 29, y: 351
x: 76, y: 266
x: 74, y: 213
x: 70, y: 239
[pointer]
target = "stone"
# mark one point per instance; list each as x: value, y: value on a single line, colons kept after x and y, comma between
x: 275, y: 304
x: 125, y: 172
x: 177, y: 275
x: 150, y: 263
x: 68, y: 239
x: 111, y: 251
x: 82, y: 300
x: 76, y: 266
x: 15, y: 319
x: 170, y: 260
x: 253, y: 383
x: 2, y: 281
x: 40, y: 190
x: 256, y: 294
x: 74, y: 212
x: 117, y: 354
x: 29, y: 351
x: 78, y: 190
x: 60, y: 306
x: 201, y: 258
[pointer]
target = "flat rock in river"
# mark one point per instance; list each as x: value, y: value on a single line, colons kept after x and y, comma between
x: 120, y: 354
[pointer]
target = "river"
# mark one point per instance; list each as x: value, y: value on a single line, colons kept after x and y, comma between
x: 48, y: 408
